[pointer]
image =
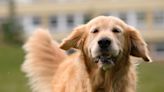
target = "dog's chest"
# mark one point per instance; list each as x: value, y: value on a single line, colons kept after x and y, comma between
x: 101, y: 87
x: 100, y: 82
x: 100, y: 90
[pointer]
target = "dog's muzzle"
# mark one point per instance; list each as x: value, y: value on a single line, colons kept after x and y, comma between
x: 106, y: 62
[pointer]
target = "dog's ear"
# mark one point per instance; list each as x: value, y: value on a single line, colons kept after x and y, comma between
x: 74, y: 39
x: 138, y: 45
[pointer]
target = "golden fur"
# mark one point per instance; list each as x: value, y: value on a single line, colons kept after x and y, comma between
x: 51, y: 70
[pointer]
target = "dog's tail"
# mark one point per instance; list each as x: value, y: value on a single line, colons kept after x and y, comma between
x: 42, y: 59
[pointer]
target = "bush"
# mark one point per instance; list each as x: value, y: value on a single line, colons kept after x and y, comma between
x: 12, y: 32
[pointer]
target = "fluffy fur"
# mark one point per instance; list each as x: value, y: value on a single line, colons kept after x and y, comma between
x: 42, y: 59
x: 51, y: 70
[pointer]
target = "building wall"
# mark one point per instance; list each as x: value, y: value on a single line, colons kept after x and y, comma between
x: 61, y: 16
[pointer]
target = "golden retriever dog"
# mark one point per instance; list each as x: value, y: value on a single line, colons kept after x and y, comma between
x: 100, y: 64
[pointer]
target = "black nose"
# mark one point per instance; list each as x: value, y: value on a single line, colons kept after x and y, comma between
x: 104, y: 43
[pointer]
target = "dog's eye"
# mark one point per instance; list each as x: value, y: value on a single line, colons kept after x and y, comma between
x: 96, y: 30
x: 116, y: 30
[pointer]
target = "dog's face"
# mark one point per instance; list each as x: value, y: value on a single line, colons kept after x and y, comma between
x: 105, y: 39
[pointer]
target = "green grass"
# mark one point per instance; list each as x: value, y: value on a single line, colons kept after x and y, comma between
x: 151, y: 76
x: 11, y: 77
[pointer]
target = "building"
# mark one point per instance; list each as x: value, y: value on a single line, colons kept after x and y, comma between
x: 60, y: 16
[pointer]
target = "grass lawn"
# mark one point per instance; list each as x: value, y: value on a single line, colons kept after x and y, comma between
x: 11, y: 77
x: 151, y: 76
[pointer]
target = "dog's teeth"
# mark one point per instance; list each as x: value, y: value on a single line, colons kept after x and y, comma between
x: 96, y: 60
x: 111, y: 62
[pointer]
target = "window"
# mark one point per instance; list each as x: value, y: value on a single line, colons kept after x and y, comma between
x: 36, y: 21
x: 53, y: 21
x: 141, y: 19
x: 160, y: 47
x: 123, y: 16
x: 87, y: 17
x: 159, y: 18
x: 70, y: 20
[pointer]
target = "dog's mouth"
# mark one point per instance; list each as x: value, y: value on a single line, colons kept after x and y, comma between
x: 105, y: 62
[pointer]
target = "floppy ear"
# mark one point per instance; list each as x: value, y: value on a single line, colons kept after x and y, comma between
x: 74, y: 39
x: 138, y: 45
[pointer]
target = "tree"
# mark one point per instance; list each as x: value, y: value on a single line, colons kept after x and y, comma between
x: 11, y: 28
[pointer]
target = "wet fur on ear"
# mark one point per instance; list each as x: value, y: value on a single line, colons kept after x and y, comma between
x: 74, y: 39
x: 138, y: 45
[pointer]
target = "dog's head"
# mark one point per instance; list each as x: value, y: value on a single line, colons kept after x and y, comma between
x: 105, y: 39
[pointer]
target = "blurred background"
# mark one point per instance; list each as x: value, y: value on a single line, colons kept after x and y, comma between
x: 19, y: 18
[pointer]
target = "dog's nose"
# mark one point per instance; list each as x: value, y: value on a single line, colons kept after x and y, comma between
x: 104, y: 43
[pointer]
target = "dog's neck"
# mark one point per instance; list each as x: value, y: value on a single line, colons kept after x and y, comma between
x: 115, y: 79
